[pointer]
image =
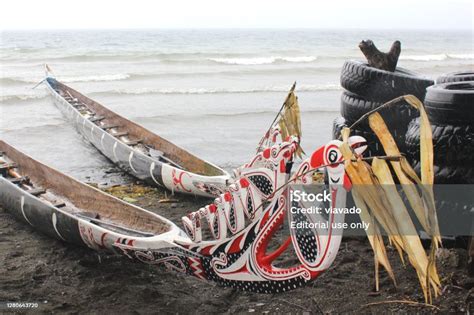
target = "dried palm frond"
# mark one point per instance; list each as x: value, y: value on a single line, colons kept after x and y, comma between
x: 287, y: 122
x: 380, y: 203
x: 290, y: 119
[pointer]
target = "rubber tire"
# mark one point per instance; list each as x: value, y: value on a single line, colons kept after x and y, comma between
x: 353, y: 107
x: 456, y: 77
x: 452, y: 145
x: 453, y: 206
x: 451, y: 103
x: 449, y: 208
x: 380, y: 85
x: 460, y: 175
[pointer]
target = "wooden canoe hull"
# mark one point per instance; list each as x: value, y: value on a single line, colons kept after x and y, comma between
x: 136, y: 162
x: 66, y: 223
x: 41, y: 216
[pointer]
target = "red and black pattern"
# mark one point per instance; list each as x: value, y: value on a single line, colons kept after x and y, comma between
x: 262, y: 183
x: 241, y: 259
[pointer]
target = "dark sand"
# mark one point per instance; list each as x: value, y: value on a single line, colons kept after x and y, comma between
x: 74, y: 280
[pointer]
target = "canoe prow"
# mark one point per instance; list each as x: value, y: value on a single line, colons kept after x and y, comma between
x: 48, y: 72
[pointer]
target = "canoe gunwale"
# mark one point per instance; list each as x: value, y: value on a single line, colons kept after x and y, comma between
x: 72, y: 191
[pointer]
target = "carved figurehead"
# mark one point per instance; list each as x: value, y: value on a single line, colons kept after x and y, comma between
x: 244, y: 220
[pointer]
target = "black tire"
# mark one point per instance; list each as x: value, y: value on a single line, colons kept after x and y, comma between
x: 454, y: 217
x: 396, y: 117
x: 380, y: 85
x: 374, y: 146
x: 462, y: 175
x: 452, y: 145
x: 455, y: 208
x: 341, y: 122
x: 451, y: 103
x: 456, y: 77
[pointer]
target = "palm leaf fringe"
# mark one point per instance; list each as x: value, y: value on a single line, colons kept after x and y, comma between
x: 382, y: 206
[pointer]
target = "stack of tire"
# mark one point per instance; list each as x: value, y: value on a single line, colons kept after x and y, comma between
x: 450, y: 108
x: 367, y: 88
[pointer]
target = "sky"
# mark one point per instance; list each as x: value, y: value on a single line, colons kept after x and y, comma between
x: 345, y: 14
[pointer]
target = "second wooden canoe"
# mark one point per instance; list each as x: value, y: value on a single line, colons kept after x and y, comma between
x: 135, y: 149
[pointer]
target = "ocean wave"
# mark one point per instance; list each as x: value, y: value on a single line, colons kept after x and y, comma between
x: 90, y: 78
x: 10, y: 81
x: 263, y: 60
x: 227, y: 114
x: 119, y: 56
x: 263, y: 112
x: 20, y: 50
x: 436, y: 57
x: 176, y: 57
x: 297, y: 70
x: 461, y: 56
x: 227, y: 58
x: 96, y: 78
x: 237, y: 71
x: 17, y: 98
x: 301, y: 88
x: 37, y: 127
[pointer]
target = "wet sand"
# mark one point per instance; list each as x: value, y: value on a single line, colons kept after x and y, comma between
x: 64, y: 278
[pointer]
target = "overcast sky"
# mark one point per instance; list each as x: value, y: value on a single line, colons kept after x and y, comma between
x: 373, y: 14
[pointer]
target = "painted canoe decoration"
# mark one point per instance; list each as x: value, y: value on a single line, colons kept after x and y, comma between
x: 135, y: 149
x: 240, y: 256
x: 242, y: 220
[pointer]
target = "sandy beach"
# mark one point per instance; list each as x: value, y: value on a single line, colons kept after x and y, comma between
x: 67, y: 279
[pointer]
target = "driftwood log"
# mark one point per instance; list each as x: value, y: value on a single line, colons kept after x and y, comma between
x: 377, y: 59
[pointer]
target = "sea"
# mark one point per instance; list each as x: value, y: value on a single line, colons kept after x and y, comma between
x: 213, y: 92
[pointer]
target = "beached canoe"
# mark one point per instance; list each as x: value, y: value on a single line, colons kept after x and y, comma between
x: 135, y: 149
x: 69, y: 210
x: 237, y: 253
